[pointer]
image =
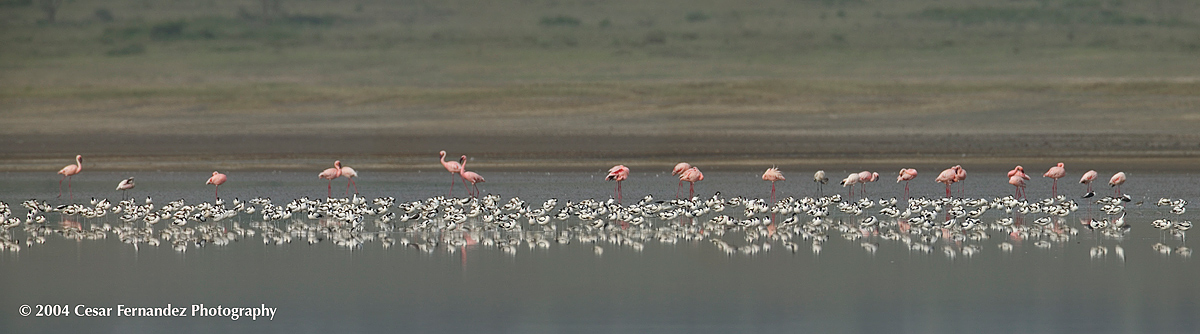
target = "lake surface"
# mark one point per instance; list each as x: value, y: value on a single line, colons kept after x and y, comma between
x: 617, y: 278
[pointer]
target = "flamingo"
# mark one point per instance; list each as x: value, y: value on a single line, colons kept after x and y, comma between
x: 906, y: 174
x: 1055, y: 173
x: 125, y: 184
x: 1116, y: 181
x: 691, y: 175
x: 820, y: 179
x: 1087, y: 179
x: 350, y: 173
x: 454, y: 167
x: 1020, y: 173
x: 330, y: 174
x: 469, y: 176
x: 960, y: 174
x: 1019, y: 182
x: 864, y: 177
x: 67, y: 172
x: 849, y: 181
x: 217, y: 179
x: 948, y: 176
x: 678, y: 170
x: 772, y: 174
x: 618, y: 173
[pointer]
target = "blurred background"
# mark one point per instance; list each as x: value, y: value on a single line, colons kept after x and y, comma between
x: 576, y: 84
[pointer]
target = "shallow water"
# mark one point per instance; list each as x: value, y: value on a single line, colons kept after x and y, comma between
x: 686, y: 286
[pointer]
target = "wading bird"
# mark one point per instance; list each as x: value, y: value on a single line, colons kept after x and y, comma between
x: 820, y: 178
x: 948, y: 176
x: 1087, y: 179
x: 454, y: 168
x: 1055, y: 173
x: 772, y: 174
x: 678, y: 170
x: 1116, y: 181
x: 849, y: 181
x: 350, y: 173
x: 125, y: 184
x: 67, y: 172
x: 1018, y: 172
x: 619, y: 173
x: 217, y: 179
x: 692, y: 175
x: 330, y: 174
x: 906, y: 174
x: 469, y: 176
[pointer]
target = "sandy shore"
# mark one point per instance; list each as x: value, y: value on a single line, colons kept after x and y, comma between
x: 1148, y: 125
x: 593, y: 152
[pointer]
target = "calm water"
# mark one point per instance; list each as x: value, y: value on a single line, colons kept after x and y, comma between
x: 686, y: 286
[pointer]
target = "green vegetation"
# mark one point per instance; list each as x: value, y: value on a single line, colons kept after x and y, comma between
x: 468, y: 43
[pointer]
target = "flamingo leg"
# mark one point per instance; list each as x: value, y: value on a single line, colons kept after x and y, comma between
x: 772, y: 191
x: 476, y: 189
x: 692, y: 190
x: 947, y: 190
x: 329, y: 189
x: 355, y: 185
x: 65, y: 177
x: 217, y: 192
x: 70, y: 194
x: 452, y: 185
x: 677, y: 188
x: 618, y: 191
x: 1054, y: 188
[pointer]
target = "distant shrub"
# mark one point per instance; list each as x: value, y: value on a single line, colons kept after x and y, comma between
x: 697, y: 16
x: 103, y: 14
x: 560, y: 21
x: 167, y: 30
x: 128, y: 50
x: 838, y: 38
x: 605, y: 23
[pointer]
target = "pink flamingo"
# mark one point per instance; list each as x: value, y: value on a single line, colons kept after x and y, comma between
x: 1087, y: 179
x: 454, y: 167
x: 469, y: 176
x: 125, y: 184
x: 948, y: 176
x: 330, y: 174
x: 1055, y: 173
x: 618, y: 173
x: 67, y: 172
x: 772, y: 174
x: 849, y: 181
x: 1018, y: 172
x: 960, y: 174
x: 692, y: 175
x: 350, y: 173
x: 864, y: 177
x: 217, y: 179
x: 1019, y: 182
x: 678, y: 170
x: 1116, y: 181
x: 906, y: 174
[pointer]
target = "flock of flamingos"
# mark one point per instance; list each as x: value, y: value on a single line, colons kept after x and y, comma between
x: 686, y: 173
x: 957, y: 225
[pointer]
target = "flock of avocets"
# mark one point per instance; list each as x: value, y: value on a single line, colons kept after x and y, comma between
x: 953, y: 226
